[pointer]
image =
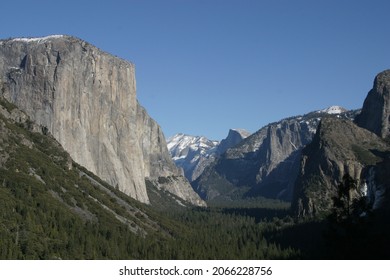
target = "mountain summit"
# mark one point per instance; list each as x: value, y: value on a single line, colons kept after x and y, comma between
x: 375, y: 115
x: 333, y: 110
x: 234, y: 137
x: 86, y: 99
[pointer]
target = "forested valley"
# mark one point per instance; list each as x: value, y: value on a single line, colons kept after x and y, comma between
x: 53, y: 208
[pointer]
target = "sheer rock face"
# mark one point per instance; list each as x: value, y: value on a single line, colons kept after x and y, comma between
x: 87, y: 100
x: 375, y: 115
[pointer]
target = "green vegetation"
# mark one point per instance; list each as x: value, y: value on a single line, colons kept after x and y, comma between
x: 7, y: 105
x: 52, y: 208
x: 365, y: 155
x: 224, y: 234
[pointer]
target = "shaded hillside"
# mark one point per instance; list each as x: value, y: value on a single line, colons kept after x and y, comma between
x: 345, y: 155
x: 339, y: 148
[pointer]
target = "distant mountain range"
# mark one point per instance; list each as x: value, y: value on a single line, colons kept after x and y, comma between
x: 265, y: 163
x: 305, y: 159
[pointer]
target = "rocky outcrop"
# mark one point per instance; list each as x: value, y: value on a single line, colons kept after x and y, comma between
x: 375, y: 115
x: 86, y: 99
x: 339, y: 147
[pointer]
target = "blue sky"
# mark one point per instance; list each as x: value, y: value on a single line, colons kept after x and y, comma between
x: 204, y: 66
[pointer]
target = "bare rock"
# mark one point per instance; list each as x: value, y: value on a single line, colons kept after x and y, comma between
x: 375, y: 115
x: 86, y: 99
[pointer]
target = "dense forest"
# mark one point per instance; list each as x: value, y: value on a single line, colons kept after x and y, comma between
x: 52, y: 208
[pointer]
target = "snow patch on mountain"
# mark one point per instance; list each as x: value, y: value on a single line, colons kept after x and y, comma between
x: 333, y: 110
x: 182, y: 146
x: 39, y: 39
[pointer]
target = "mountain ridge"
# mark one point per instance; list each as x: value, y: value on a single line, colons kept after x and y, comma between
x: 267, y: 162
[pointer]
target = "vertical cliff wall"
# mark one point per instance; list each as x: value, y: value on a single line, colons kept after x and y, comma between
x: 376, y: 108
x: 87, y: 100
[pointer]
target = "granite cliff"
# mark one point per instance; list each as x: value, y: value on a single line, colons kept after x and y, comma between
x: 359, y: 150
x: 86, y: 99
x: 376, y: 108
x: 234, y: 137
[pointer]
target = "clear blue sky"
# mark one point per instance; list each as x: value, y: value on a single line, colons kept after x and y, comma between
x: 204, y: 66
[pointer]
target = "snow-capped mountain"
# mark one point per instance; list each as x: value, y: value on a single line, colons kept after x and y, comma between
x: 194, y: 153
x: 333, y: 110
x: 191, y: 153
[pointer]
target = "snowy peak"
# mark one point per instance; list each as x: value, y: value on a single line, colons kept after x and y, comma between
x: 181, y: 145
x: 194, y: 153
x: 333, y: 110
x: 191, y: 153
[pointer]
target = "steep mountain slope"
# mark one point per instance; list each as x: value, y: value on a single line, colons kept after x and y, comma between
x: 53, y: 208
x: 86, y: 99
x: 267, y: 162
x: 341, y: 148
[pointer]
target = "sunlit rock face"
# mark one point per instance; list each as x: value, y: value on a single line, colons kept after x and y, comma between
x: 87, y: 100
